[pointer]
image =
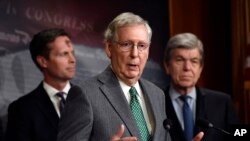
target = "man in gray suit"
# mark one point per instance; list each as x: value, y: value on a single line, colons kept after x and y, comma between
x: 113, y: 115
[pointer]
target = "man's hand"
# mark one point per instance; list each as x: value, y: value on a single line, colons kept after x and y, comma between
x: 119, y: 133
x: 198, y: 137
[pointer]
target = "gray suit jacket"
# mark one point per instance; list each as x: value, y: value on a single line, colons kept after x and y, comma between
x: 110, y: 109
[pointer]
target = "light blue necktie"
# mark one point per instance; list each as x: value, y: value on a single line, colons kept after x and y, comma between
x: 138, y: 115
x: 188, y: 119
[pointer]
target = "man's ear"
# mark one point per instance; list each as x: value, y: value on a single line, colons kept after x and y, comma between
x: 108, y: 48
x: 166, y: 67
x: 42, y: 61
x: 202, y: 66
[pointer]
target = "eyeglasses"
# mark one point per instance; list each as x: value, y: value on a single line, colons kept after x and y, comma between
x: 128, y: 45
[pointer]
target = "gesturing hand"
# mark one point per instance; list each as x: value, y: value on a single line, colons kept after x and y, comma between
x: 119, y: 133
x: 198, y: 137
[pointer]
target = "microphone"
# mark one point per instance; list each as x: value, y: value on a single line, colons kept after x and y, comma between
x: 206, y: 124
x: 167, y: 123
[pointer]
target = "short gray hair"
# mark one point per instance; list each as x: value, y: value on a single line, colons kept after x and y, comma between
x: 125, y: 19
x: 186, y: 41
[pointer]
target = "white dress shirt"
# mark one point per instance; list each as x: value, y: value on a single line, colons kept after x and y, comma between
x: 51, y: 91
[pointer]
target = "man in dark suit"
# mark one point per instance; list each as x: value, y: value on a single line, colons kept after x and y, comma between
x: 183, y: 61
x: 35, y: 116
x: 1, y: 130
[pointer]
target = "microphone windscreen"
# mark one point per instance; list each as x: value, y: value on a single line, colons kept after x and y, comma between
x: 204, y: 123
x: 167, y: 123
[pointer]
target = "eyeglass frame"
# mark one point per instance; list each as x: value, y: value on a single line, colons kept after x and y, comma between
x: 130, y: 45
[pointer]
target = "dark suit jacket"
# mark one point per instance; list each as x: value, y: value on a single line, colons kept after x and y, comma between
x: 32, y: 118
x: 1, y: 130
x: 109, y: 109
x: 213, y: 106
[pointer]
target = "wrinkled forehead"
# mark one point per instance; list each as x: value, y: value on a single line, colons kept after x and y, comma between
x: 187, y: 53
x: 139, y: 30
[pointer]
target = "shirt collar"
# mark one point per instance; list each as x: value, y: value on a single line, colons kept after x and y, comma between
x: 126, y: 87
x: 175, y: 95
x: 51, y: 91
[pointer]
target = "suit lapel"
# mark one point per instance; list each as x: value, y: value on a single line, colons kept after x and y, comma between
x: 176, y: 130
x: 201, y: 112
x: 45, y: 105
x: 113, y: 92
x: 150, y: 100
x: 200, y: 107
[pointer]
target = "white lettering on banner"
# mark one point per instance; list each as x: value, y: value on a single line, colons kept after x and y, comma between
x: 41, y: 15
x: 25, y: 37
x: 9, y: 37
x: 20, y: 36
x: 240, y: 132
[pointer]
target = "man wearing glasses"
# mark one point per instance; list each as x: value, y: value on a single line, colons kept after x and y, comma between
x: 124, y: 106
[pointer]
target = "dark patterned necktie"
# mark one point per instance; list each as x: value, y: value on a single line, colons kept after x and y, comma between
x: 188, y: 119
x: 62, y: 101
x: 138, y: 115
